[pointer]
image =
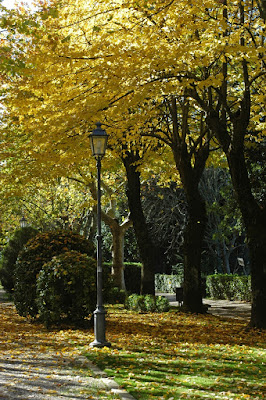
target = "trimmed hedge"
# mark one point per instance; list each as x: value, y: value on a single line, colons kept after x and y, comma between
x: 132, y: 276
x: 167, y: 283
x: 115, y: 295
x: 229, y: 287
x: 218, y: 286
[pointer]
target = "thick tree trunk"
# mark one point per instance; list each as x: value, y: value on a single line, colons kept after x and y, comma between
x: 193, y: 241
x: 190, y: 162
x: 254, y: 215
x: 257, y: 250
x: 118, y: 256
x: 262, y: 8
x: 254, y: 218
x: 146, y: 247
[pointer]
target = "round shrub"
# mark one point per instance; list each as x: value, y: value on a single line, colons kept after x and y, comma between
x: 10, y: 255
x: 147, y: 303
x: 162, y: 304
x: 66, y: 288
x: 150, y: 303
x: 135, y: 302
x: 38, y: 251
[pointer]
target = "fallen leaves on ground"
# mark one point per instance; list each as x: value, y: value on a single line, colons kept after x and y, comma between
x: 41, y: 364
x: 180, y: 356
x: 156, y: 356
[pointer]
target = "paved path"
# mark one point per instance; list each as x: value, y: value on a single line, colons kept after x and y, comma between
x: 46, y: 377
x: 30, y: 375
x: 34, y: 366
x: 221, y: 308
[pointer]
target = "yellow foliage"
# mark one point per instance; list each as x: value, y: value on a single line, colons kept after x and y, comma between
x: 116, y: 61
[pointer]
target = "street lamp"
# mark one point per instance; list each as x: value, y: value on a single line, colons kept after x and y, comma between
x: 23, y: 222
x: 98, y: 141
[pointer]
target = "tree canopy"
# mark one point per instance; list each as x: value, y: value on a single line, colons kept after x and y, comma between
x: 185, y: 74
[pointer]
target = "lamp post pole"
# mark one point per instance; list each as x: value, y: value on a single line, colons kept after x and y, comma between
x: 99, y: 313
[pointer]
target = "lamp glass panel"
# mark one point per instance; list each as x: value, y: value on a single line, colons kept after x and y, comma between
x: 23, y: 222
x: 98, y: 145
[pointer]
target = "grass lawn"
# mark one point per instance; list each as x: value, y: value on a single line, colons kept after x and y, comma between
x: 178, y: 356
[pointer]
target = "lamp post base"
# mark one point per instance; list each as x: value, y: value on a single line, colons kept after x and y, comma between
x: 99, y: 328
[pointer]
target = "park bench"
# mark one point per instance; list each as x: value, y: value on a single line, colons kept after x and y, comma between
x: 179, y: 295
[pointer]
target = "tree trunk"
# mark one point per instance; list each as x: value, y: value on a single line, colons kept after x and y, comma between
x: 262, y: 8
x: 254, y: 215
x: 193, y: 241
x: 226, y: 255
x: 146, y: 247
x: 190, y: 163
x: 254, y: 218
x: 118, y: 234
x: 257, y: 248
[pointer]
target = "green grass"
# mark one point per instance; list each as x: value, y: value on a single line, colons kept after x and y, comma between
x: 177, y: 356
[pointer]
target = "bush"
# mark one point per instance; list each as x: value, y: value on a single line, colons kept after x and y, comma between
x: 162, y: 304
x: 10, y: 255
x: 147, y: 303
x: 66, y: 288
x: 135, y: 302
x: 116, y: 296
x: 168, y: 283
x: 230, y: 287
x: 38, y: 251
x: 150, y: 303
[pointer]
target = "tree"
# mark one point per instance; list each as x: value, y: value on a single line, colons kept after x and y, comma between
x: 118, y: 231
x: 232, y: 108
x: 262, y: 8
x: 147, y: 249
x: 183, y: 129
x: 147, y: 53
x: 224, y: 240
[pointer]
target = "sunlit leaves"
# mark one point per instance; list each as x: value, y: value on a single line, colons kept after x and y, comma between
x: 117, y: 61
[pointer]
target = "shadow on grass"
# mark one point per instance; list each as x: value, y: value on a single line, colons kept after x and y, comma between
x: 175, y: 355
x: 212, y: 373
